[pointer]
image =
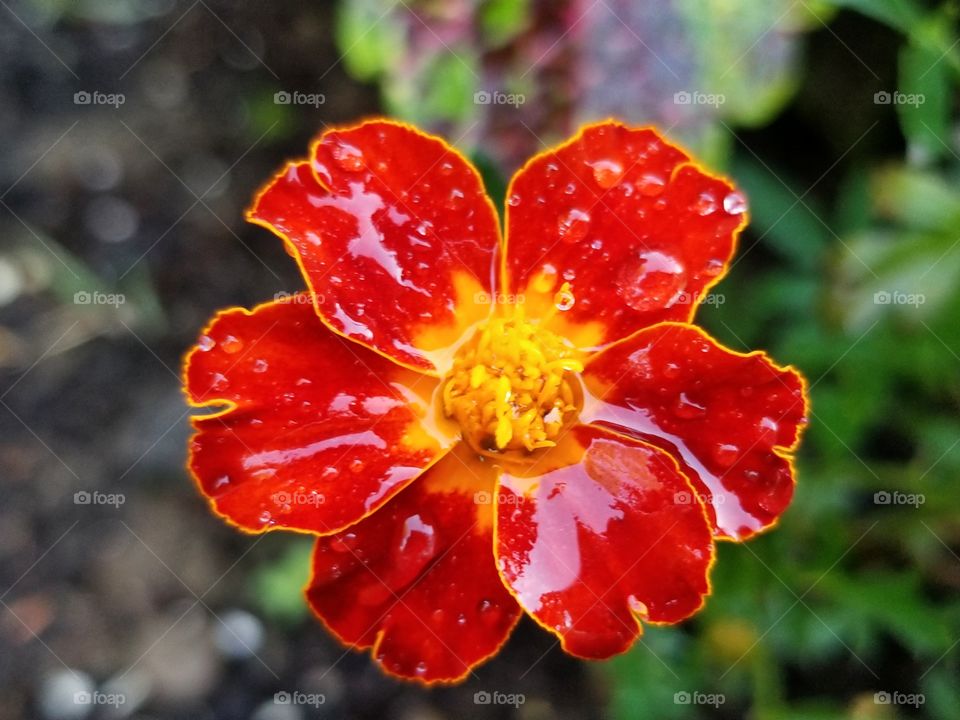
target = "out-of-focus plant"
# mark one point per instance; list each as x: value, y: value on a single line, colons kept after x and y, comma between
x: 508, y: 76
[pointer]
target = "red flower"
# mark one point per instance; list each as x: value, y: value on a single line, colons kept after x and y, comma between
x: 476, y: 426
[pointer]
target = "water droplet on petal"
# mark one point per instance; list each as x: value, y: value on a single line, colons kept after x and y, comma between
x: 651, y: 185
x: 713, y: 267
x: 687, y: 409
x: 513, y: 200
x: 671, y: 370
x: 231, y: 345
x: 735, y: 203
x: 573, y: 225
x: 564, y: 298
x: 348, y: 157
x: 607, y: 173
x: 767, y: 430
x: 725, y: 454
x: 637, y: 607
x: 545, y: 280
x: 653, y: 281
x: 219, y: 382
x: 260, y: 366
x: 706, y: 204
x: 206, y: 343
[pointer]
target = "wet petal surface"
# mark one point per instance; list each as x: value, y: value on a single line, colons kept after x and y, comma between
x: 732, y: 420
x: 416, y: 582
x: 318, y: 431
x: 394, y: 234
x: 636, y: 229
x: 599, y: 542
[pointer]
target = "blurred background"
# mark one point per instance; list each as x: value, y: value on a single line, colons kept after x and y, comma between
x: 132, y: 134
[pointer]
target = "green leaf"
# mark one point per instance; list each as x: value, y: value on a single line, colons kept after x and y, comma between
x: 502, y: 20
x: 369, y: 40
x: 901, y: 15
x: 894, y: 602
x: 923, y: 103
x: 781, y: 219
x: 278, y: 584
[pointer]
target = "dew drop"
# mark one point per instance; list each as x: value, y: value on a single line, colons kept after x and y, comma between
x: 573, y: 225
x: 357, y: 465
x: 596, y: 244
x: 219, y: 382
x: 348, y: 157
x: 564, y: 298
x: 651, y: 185
x: 344, y: 543
x: 653, y: 281
x: 713, y: 267
x: 637, y: 607
x: 671, y: 370
x: 706, y: 204
x: 686, y: 409
x: 231, y: 345
x: 514, y: 200
x: 607, y: 173
x: 545, y: 280
x: 266, y: 518
x: 735, y: 204
x: 206, y: 343
x: 725, y: 454
x: 767, y: 430
x: 260, y: 366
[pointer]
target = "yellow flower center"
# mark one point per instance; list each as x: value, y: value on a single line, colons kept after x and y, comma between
x: 513, y: 386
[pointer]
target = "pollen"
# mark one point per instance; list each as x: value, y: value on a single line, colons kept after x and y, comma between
x: 513, y: 386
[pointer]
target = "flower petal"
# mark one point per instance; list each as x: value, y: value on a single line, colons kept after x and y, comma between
x: 416, y: 581
x: 638, y: 230
x: 731, y: 419
x: 395, y: 237
x: 598, y: 542
x: 318, y: 431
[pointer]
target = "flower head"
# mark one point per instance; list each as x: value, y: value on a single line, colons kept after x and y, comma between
x: 478, y: 425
